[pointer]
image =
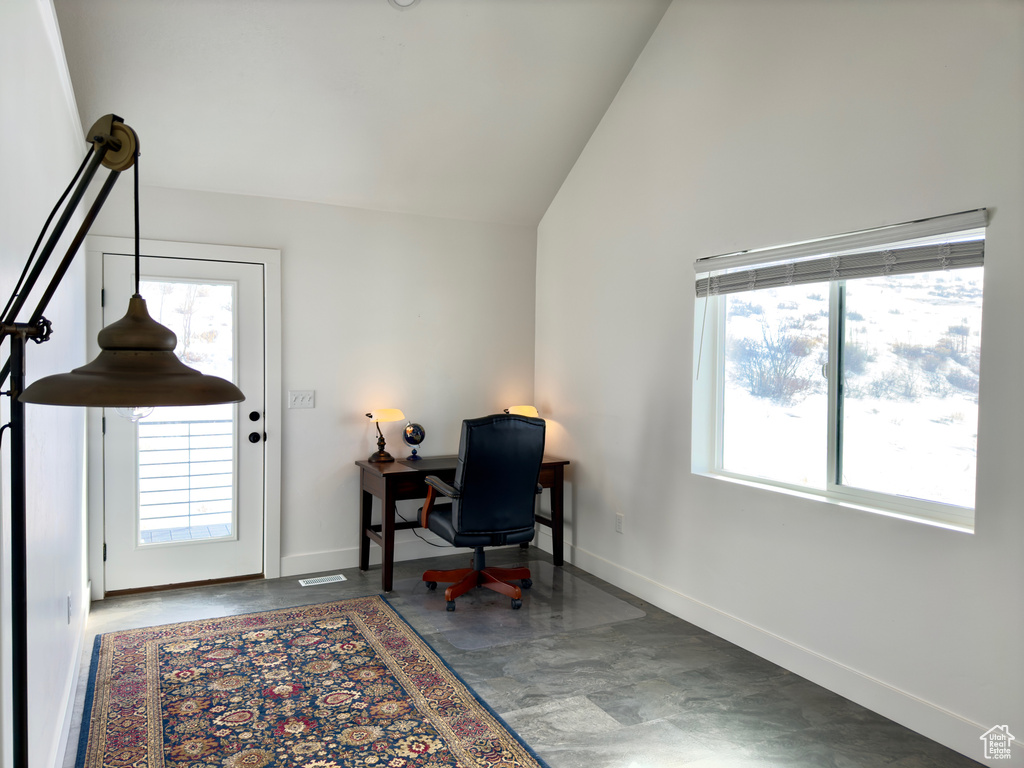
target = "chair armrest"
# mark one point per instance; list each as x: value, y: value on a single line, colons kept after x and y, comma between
x: 428, y: 506
x: 442, y: 486
x: 435, y: 485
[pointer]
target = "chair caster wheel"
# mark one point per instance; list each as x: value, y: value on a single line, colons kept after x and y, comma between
x: 450, y: 606
x: 431, y: 585
x: 526, y: 583
x: 516, y: 604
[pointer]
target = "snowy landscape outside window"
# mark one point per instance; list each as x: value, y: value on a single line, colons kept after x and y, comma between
x: 851, y: 373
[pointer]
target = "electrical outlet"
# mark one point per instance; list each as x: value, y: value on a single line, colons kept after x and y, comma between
x: 619, y: 520
x: 301, y: 398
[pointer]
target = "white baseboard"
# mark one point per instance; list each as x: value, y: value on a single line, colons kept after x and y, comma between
x: 542, y: 540
x: 335, y: 559
x: 405, y: 549
x: 941, y: 725
x: 71, y: 687
x: 318, y: 562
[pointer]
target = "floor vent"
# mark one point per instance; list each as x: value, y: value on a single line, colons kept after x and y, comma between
x: 322, y: 580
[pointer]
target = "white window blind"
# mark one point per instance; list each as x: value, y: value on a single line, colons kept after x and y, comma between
x: 944, y: 242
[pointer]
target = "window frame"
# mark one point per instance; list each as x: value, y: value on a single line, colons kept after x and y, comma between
x: 707, y: 443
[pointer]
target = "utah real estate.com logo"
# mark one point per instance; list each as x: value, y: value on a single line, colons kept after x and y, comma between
x: 997, y: 742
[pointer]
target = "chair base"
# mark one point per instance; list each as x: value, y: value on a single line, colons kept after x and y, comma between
x: 464, y: 579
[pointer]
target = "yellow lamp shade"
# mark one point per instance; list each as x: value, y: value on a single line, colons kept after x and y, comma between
x: 386, y: 414
x: 523, y: 410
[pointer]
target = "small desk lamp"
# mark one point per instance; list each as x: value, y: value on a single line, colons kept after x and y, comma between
x: 523, y: 410
x: 383, y: 414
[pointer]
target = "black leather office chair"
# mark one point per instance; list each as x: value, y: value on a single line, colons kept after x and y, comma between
x: 492, y: 501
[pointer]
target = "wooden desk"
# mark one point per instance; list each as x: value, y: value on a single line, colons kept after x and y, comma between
x: 403, y: 479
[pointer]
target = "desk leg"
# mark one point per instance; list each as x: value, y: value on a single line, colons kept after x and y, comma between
x: 387, y: 524
x: 557, y: 524
x: 365, y: 519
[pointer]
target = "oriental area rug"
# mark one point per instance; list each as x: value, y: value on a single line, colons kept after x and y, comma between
x: 336, y: 685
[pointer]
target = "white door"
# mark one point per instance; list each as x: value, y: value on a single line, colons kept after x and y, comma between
x: 184, y: 486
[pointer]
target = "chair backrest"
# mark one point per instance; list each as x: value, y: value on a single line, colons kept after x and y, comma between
x: 499, y: 464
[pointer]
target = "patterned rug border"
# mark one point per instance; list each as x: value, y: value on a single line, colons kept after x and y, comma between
x: 86, y: 725
x: 90, y: 690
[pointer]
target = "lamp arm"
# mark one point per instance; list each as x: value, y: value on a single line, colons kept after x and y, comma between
x: 34, y: 270
x: 76, y: 243
x: 56, y: 208
x: 101, y: 145
x: 56, y: 278
x: 108, y: 135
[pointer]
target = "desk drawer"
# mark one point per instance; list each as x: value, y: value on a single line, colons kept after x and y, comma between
x: 412, y: 485
x: 547, y: 476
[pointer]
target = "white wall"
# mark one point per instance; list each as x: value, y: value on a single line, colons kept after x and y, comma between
x: 433, y: 316
x: 43, y: 146
x: 748, y: 124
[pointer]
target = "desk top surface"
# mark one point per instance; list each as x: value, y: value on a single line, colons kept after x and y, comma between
x: 431, y: 464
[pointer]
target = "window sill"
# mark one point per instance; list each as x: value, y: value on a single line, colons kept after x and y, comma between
x: 911, y: 512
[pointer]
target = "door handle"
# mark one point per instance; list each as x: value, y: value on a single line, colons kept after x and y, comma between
x: 255, y: 437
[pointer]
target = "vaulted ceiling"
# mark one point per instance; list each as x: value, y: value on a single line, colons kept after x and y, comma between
x: 472, y: 109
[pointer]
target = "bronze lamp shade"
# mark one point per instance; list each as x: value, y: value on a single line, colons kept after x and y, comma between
x: 136, y: 367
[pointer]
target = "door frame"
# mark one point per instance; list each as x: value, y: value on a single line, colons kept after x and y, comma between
x: 270, y: 258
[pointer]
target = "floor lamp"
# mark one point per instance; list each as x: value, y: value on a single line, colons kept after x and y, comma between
x: 136, y: 368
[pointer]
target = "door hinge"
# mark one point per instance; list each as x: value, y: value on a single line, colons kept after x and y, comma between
x: 103, y: 297
x: 103, y: 425
x: 104, y: 551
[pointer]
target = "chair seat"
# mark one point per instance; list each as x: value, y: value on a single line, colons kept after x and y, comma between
x: 440, y: 522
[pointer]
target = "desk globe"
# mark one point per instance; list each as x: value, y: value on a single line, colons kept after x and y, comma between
x: 413, y: 435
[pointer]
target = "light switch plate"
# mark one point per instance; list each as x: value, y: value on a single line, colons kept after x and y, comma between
x: 301, y: 398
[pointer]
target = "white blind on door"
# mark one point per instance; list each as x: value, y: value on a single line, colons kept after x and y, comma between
x: 944, y: 242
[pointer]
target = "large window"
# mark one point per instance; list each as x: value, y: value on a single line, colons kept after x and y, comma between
x: 847, y: 367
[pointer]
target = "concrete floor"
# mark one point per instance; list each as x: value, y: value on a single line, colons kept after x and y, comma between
x: 588, y: 675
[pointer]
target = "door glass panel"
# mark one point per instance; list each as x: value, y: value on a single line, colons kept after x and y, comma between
x: 186, y: 455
